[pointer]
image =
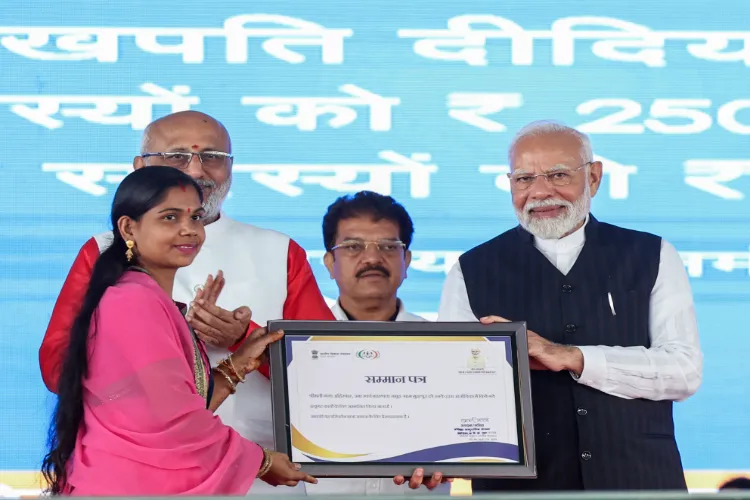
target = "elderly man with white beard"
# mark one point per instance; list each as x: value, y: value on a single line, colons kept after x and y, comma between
x: 613, y: 338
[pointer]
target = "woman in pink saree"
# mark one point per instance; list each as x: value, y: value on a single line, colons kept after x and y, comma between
x: 137, y: 389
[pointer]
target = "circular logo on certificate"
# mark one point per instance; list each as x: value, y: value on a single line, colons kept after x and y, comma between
x: 368, y: 354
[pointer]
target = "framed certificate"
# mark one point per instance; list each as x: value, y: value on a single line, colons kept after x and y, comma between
x: 378, y: 399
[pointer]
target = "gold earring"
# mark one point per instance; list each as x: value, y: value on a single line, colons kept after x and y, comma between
x: 129, y: 254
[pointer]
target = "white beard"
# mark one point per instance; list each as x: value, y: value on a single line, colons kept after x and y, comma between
x: 554, y: 228
x: 212, y: 204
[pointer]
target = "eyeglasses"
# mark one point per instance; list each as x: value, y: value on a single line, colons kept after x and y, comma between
x: 559, y: 177
x: 354, y: 248
x: 181, y: 159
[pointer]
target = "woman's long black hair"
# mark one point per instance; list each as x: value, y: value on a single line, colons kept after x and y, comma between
x: 138, y: 193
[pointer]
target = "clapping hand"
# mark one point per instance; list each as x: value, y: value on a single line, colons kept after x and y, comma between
x: 214, y: 325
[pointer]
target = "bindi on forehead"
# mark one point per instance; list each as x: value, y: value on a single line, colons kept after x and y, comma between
x: 188, y: 209
x: 195, y: 147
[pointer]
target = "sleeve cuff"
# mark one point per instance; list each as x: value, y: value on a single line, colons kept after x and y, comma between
x: 594, y: 367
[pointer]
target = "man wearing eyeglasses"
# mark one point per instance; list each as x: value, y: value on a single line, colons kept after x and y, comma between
x: 263, y: 271
x: 612, y: 333
x: 367, y: 237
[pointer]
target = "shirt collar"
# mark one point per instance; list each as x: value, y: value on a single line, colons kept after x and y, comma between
x: 399, y: 311
x: 218, y: 225
x: 574, y: 240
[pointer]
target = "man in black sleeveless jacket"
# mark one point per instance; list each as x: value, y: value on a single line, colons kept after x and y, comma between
x: 613, y: 338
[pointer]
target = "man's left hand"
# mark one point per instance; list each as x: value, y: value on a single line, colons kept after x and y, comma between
x: 546, y: 355
x: 418, y: 479
x: 216, y: 326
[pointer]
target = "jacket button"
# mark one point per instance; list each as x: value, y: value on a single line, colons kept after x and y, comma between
x: 582, y: 411
x: 586, y: 455
x: 567, y: 288
x: 570, y: 328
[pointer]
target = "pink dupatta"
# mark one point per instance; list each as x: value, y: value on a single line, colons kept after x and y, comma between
x: 146, y: 429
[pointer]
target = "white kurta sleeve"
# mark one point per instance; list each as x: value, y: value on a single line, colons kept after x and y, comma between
x: 672, y: 367
x: 454, y: 301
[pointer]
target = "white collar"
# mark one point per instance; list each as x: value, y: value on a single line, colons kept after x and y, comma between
x: 218, y: 225
x: 341, y: 314
x: 574, y: 240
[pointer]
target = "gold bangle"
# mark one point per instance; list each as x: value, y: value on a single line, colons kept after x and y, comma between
x: 234, y: 370
x: 265, y: 465
x: 224, y: 363
x: 231, y: 362
x: 232, y: 386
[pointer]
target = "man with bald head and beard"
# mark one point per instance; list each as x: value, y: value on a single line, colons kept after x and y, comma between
x: 261, y: 270
x: 612, y: 333
x: 173, y: 141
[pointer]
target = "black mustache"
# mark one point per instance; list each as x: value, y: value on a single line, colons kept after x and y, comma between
x: 368, y: 269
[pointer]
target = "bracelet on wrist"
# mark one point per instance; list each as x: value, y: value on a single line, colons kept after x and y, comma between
x: 232, y: 385
x: 265, y: 465
x: 228, y: 365
x: 234, y: 369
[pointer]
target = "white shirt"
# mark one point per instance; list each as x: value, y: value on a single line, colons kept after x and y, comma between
x: 403, y: 314
x: 371, y: 486
x: 671, y: 369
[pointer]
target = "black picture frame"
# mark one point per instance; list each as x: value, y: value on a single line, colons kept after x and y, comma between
x: 515, y: 331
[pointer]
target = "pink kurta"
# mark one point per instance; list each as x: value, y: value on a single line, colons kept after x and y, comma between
x: 146, y: 429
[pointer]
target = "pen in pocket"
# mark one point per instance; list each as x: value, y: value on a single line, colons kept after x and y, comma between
x: 611, y: 304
